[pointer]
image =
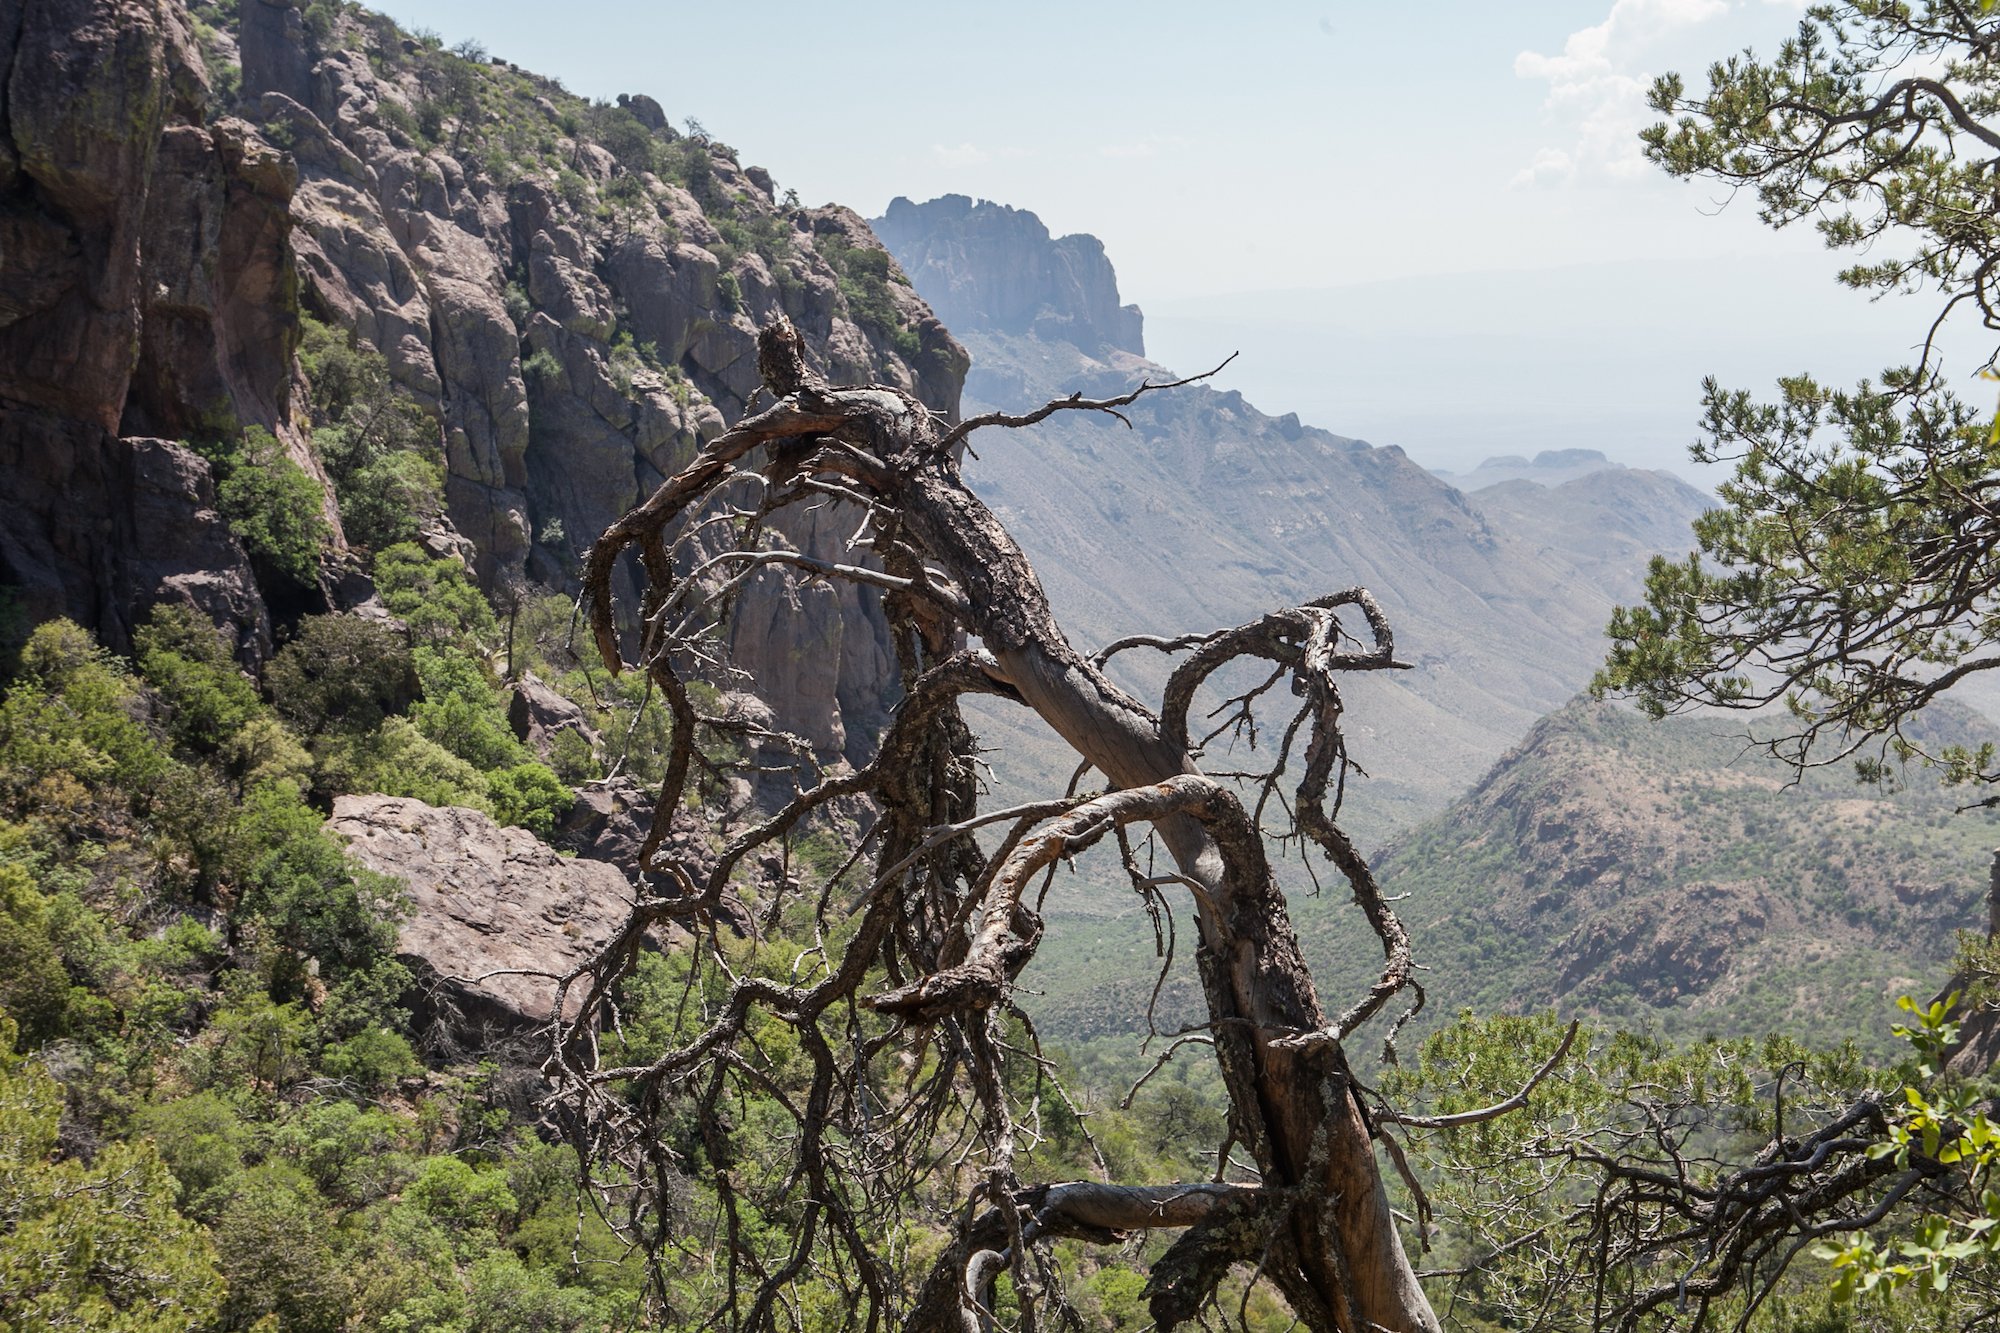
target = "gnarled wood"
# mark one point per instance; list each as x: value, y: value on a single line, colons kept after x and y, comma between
x: 1326, y: 1236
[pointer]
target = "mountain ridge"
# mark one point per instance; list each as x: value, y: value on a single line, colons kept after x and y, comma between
x: 1208, y: 511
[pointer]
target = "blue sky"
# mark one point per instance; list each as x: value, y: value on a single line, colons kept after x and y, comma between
x: 1227, y: 154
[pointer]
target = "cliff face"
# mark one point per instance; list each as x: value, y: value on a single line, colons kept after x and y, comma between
x: 988, y: 268
x: 145, y: 290
x: 570, y: 291
x: 575, y: 293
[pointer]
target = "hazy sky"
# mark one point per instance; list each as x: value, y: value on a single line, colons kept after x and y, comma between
x: 1278, y: 147
x: 1213, y: 148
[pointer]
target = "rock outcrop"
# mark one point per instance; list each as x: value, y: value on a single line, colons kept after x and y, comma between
x: 570, y: 291
x: 145, y: 290
x: 538, y: 716
x: 988, y: 268
x: 578, y: 319
x: 483, y: 900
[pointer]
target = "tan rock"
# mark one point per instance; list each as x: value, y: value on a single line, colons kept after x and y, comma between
x: 495, y: 915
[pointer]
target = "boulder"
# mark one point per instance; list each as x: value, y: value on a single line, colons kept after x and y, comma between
x: 609, y: 822
x: 484, y: 900
x: 537, y: 714
x: 644, y: 109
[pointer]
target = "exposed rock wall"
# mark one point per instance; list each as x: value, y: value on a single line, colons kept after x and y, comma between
x: 986, y: 267
x: 144, y: 290
x: 578, y: 326
x: 578, y: 323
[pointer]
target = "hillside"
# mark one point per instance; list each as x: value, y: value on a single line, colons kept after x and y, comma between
x: 1651, y: 874
x: 1209, y: 512
x: 1655, y: 874
x: 566, y: 292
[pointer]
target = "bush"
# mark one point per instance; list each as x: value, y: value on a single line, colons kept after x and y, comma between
x: 373, y: 1060
x: 531, y: 796
x: 392, y: 499
x: 541, y: 366
x: 34, y: 987
x: 381, y: 450
x: 463, y: 711
x: 312, y: 900
x: 94, y: 1244
x: 183, y: 656
x: 69, y: 727
x: 272, y: 505
x: 342, y: 672
x: 435, y: 597
x: 460, y: 1198
x: 399, y: 760
x: 272, y: 1237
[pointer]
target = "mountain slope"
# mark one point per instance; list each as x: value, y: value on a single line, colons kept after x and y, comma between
x: 569, y: 293
x: 1656, y: 873
x: 1209, y: 512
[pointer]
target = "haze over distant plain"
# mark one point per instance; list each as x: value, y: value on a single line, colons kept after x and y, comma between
x: 1428, y: 227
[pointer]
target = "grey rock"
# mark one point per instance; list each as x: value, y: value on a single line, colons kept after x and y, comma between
x: 100, y: 529
x: 537, y: 714
x: 483, y: 900
x: 644, y: 109
x: 987, y: 267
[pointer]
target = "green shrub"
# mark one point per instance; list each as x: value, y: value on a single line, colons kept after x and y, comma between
x: 459, y: 1197
x: 381, y: 450
x: 435, y: 597
x: 34, y: 987
x: 203, y: 1140
x: 621, y: 134
x: 90, y: 1244
x: 311, y: 899
x: 70, y: 731
x: 531, y: 796
x: 342, y: 672
x: 464, y: 711
x: 392, y: 499
x: 272, y: 1235
x: 351, y: 1154
x: 372, y: 1060
x: 542, y: 367
x: 183, y: 656
x: 272, y: 505
x: 398, y: 760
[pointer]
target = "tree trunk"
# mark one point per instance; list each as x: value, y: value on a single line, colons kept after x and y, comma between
x: 1319, y: 1226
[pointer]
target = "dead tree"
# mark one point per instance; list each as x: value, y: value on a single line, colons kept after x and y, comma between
x: 903, y: 1008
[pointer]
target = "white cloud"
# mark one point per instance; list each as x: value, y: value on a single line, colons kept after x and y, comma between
x: 1552, y: 166
x: 1597, y: 90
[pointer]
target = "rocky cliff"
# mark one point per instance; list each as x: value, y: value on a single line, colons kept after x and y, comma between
x: 988, y: 268
x: 570, y: 291
x: 145, y: 295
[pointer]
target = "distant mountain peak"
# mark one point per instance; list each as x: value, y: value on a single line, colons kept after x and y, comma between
x: 1550, y: 467
x: 992, y: 268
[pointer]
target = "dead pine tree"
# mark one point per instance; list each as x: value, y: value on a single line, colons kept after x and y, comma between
x: 911, y: 1103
